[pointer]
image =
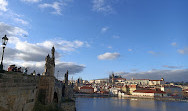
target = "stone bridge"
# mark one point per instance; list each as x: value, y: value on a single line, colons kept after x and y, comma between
x: 19, y: 92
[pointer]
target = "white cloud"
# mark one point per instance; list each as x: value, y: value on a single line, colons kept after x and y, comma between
x: 3, y: 5
x: 11, y: 31
x: 152, y: 52
x: 31, y: 1
x: 64, y: 45
x: 62, y: 67
x: 108, y: 56
x: 104, y: 29
x: 102, y: 6
x: 57, y: 6
x: 183, y: 51
x: 10, y: 15
x: 110, y: 47
x: 21, y: 21
x: 115, y: 36
x: 72, y: 67
x: 120, y: 73
x: 35, y: 51
x: 36, y: 61
x: 173, y: 43
x: 168, y: 75
x: 172, y: 67
x: 156, y: 53
x: 32, y: 55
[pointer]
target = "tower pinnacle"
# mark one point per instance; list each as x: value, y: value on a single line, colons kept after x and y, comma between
x: 53, y: 52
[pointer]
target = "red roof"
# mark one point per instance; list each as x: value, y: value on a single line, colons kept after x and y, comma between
x: 86, y: 87
x: 132, y: 86
x: 148, y: 91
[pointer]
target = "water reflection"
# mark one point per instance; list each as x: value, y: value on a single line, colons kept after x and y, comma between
x: 119, y: 104
x: 145, y: 104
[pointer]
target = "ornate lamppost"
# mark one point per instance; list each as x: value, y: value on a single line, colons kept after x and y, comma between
x: 4, y: 43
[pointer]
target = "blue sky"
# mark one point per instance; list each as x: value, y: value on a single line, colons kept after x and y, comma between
x: 99, y: 36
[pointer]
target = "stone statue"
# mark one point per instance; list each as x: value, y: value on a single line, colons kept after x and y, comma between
x: 66, y: 77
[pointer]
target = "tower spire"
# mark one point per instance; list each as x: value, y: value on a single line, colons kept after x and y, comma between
x: 53, y: 53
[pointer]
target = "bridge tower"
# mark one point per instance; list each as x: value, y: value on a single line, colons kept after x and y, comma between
x: 50, y: 64
x: 47, y: 81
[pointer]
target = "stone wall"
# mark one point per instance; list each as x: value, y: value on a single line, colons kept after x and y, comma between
x: 17, y: 91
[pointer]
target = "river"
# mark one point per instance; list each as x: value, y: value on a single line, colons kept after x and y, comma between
x: 118, y: 104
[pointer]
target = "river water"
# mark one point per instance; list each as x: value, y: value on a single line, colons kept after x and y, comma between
x: 118, y: 104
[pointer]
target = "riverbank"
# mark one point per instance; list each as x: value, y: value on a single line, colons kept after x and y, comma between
x: 127, y: 104
x: 92, y: 95
x: 154, y: 98
x: 132, y: 97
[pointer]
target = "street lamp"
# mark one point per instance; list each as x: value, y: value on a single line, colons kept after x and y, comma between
x: 4, y: 43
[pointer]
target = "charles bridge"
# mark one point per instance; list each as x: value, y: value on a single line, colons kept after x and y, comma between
x: 21, y: 92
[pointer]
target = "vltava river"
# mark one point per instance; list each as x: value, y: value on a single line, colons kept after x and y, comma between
x: 118, y: 104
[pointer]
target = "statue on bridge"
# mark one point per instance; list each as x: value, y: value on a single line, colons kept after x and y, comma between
x: 66, y: 77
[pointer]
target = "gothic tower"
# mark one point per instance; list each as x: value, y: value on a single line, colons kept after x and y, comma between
x: 47, y: 82
x: 50, y: 64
